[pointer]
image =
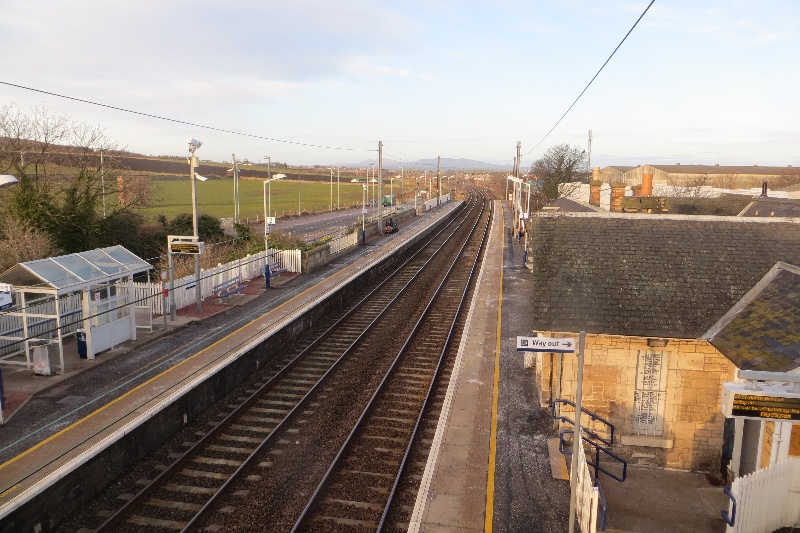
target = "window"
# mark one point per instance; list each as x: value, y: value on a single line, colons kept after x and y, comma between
x: 650, y: 393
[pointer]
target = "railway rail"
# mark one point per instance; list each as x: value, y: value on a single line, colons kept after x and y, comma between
x: 258, y: 466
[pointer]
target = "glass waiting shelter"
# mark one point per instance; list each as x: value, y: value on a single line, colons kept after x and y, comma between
x: 90, y: 293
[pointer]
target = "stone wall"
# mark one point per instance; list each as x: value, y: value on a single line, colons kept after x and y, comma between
x: 692, y: 427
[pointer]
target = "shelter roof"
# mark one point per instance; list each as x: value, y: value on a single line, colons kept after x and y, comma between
x: 74, y: 272
x: 655, y: 276
x: 772, y: 207
x: 762, y: 331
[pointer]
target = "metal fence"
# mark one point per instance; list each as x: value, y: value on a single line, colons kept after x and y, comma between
x: 244, y: 269
x: 12, y: 330
x: 766, y: 500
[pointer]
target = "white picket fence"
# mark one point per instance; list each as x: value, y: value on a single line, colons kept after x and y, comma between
x: 245, y: 269
x: 768, y: 499
x: 431, y: 204
x: 343, y: 243
x: 587, y: 494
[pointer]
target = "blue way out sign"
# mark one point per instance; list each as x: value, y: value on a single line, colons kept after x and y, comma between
x: 545, y: 344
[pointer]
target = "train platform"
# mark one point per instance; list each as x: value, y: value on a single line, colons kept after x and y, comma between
x: 68, y: 418
x: 495, y: 464
x: 492, y: 466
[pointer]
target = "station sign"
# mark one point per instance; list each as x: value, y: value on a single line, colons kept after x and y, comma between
x: 187, y: 247
x: 185, y: 244
x: 771, y: 402
x: 546, y: 344
x: 6, y: 300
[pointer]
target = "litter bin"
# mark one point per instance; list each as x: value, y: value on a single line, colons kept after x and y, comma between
x: 80, y: 335
x: 41, y: 357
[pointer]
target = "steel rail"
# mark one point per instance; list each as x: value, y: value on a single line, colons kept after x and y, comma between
x: 431, y: 388
x: 196, y: 520
x: 313, y: 500
x: 143, y: 495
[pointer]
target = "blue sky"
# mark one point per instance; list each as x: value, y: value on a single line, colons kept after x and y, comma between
x: 696, y: 82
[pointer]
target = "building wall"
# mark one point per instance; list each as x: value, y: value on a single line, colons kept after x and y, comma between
x: 713, y: 178
x: 692, y: 421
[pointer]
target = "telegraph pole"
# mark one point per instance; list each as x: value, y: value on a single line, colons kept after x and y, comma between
x: 589, y: 164
x: 235, y: 190
x: 380, y: 187
x: 438, y: 180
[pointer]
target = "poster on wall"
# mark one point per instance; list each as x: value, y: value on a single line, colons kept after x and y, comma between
x: 6, y: 299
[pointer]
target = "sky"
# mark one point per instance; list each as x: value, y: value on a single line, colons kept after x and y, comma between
x: 320, y: 82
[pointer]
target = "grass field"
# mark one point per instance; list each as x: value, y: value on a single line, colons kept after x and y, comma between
x: 215, y: 197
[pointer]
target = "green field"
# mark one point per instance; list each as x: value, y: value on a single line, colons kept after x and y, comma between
x: 215, y: 197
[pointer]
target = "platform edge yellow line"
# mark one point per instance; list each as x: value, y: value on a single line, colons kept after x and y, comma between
x: 495, y: 387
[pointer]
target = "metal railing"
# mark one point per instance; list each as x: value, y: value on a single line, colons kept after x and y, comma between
x: 597, y: 452
x: 594, y: 418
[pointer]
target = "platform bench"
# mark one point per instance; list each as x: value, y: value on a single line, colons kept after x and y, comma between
x: 226, y: 288
x: 275, y: 269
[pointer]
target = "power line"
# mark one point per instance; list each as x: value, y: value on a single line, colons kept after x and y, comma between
x: 177, y: 121
x: 593, y: 78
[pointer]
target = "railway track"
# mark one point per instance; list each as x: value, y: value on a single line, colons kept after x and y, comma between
x: 258, y: 466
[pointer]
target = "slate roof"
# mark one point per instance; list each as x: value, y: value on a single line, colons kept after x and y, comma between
x: 655, y: 276
x: 772, y: 207
x: 714, y: 169
x: 762, y: 331
x: 566, y: 205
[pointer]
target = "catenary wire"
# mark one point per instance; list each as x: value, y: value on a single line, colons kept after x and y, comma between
x: 177, y: 121
x: 592, y: 80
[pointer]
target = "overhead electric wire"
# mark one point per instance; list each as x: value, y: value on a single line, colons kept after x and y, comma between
x: 177, y: 121
x: 593, y: 78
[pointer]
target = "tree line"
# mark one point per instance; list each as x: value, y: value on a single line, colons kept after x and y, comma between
x: 64, y: 201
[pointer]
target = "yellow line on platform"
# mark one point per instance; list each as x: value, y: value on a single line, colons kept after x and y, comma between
x: 138, y: 387
x: 487, y: 527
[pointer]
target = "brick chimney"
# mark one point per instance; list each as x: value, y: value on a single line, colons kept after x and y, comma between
x: 594, y: 187
x: 617, y: 194
x: 647, y: 185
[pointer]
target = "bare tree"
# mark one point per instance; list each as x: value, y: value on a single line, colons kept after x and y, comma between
x: 559, y: 171
x: 20, y: 242
x: 27, y: 139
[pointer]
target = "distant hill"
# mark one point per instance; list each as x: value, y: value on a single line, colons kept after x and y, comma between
x: 447, y: 163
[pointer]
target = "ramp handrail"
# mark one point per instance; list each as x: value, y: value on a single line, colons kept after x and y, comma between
x: 593, y: 416
x: 729, y: 519
x: 597, y: 450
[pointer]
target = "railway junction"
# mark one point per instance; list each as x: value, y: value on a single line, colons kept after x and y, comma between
x: 381, y: 393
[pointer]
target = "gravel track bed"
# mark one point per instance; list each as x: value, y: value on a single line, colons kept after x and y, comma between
x: 277, y: 487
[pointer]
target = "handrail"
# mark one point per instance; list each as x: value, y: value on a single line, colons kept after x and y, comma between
x: 596, y: 463
x: 593, y: 416
x: 730, y: 520
x: 603, y: 516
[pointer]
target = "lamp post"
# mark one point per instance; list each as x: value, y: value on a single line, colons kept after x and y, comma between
x: 102, y: 182
x: 402, y: 184
x: 194, y: 144
x: 338, y: 193
x: 372, y: 181
x: 363, y: 212
x: 267, y: 187
x: 331, y: 169
x: 7, y: 179
x: 269, y: 180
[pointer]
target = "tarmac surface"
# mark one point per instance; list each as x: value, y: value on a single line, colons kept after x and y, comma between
x: 528, y: 492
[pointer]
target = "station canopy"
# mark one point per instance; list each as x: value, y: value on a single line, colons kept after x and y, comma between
x: 76, y: 272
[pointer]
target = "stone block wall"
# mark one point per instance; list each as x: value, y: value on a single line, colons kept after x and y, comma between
x: 692, y: 430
